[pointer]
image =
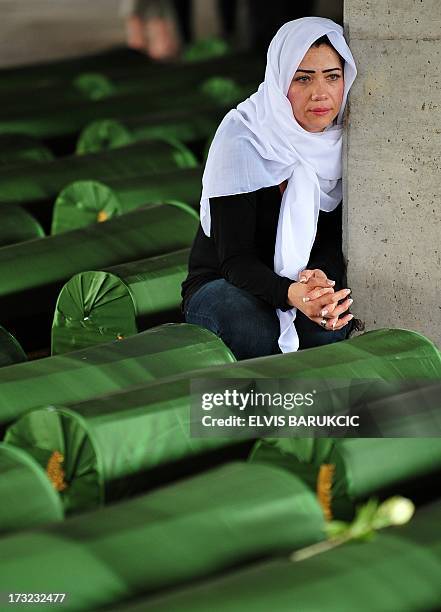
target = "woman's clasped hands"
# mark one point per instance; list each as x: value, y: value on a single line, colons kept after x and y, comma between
x: 315, y: 296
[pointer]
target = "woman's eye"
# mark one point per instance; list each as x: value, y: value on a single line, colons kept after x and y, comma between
x: 302, y: 79
x: 334, y: 77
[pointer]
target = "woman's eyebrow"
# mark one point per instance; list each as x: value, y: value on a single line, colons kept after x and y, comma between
x: 314, y: 71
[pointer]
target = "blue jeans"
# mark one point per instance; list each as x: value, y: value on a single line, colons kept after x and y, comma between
x: 247, y: 325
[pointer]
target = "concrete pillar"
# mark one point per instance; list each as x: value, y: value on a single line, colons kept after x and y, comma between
x: 393, y: 159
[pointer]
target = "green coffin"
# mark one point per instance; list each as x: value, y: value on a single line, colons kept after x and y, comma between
x: 17, y: 225
x: 83, y: 203
x: 346, y: 472
x: 44, y: 181
x: 100, y: 306
x: 399, y: 570
x: 115, y: 446
x: 196, y: 528
x: 17, y: 149
x: 385, y: 354
x: 61, y: 71
x: 86, y: 86
x: 34, y: 272
x: 28, y: 499
x: 10, y: 350
x: 78, y: 376
x: 184, y: 126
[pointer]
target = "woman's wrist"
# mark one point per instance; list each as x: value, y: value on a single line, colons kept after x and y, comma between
x: 296, y: 292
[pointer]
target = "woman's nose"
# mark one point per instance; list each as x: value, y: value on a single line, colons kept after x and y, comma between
x: 318, y: 95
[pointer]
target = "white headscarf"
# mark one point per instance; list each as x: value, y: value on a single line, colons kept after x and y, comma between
x: 260, y: 144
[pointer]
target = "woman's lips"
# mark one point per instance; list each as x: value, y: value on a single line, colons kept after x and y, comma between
x: 320, y: 111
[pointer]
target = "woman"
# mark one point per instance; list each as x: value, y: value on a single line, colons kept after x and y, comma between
x: 274, y: 163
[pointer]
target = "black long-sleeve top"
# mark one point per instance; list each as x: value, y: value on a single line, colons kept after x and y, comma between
x: 241, y: 247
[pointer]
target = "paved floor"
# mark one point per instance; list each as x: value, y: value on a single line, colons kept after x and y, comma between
x: 34, y: 30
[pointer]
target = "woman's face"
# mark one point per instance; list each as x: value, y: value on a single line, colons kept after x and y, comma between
x: 316, y: 91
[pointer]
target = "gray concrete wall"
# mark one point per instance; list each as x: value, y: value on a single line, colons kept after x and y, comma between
x: 393, y: 178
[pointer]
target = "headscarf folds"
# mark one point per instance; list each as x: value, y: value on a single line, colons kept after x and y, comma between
x: 260, y: 144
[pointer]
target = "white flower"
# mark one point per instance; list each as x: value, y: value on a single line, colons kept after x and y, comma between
x: 396, y: 510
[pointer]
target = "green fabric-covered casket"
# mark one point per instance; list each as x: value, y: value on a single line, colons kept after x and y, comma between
x: 62, y: 71
x: 197, y: 527
x: 17, y: 225
x: 384, y: 354
x: 85, y: 86
x: 43, y: 181
x: 81, y: 375
x: 398, y: 570
x: 34, y: 272
x: 10, y: 350
x: 28, y: 498
x: 17, y: 149
x: 99, y: 306
x: 344, y: 472
x: 83, y: 203
x: 182, y: 125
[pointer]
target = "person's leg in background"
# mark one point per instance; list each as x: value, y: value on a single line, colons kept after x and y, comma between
x: 247, y: 325
x: 135, y: 26
x: 151, y: 27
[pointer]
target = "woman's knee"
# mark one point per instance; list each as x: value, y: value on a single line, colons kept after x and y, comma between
x: 247, y: 325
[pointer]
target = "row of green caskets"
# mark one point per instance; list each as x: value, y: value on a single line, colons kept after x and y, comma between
x: 162, y: 219
x: 157, y: 94
x: 81, y: 407
x: 119, y: 171
x: 71, y: 193
x: 32, y: 179
x: 50, y: 109
x: 208, y: 523
x: 35, y: 271
x: 117, y: 62
x: 238, y: 513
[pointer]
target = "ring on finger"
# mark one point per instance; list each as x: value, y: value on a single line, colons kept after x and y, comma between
x: 323, y: 323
